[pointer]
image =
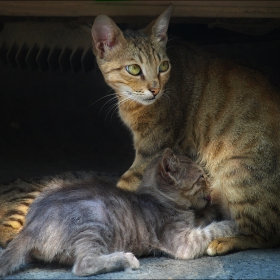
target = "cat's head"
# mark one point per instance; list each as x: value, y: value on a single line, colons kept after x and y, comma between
x: 133, y: 63
x: 178, y: 179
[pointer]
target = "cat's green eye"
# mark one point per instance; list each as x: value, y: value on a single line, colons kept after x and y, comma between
x: 133, y: 69
x: 164, y: 66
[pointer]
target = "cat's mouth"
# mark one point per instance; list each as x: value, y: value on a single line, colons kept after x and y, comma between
x: 146, y: 99
x: 141, y: 99
x: 150, y: 98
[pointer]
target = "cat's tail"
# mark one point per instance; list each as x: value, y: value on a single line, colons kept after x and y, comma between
x: 14, y: 255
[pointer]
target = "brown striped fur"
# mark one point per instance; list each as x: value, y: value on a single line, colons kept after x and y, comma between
x: 15, y: 199
x: 225, y: 116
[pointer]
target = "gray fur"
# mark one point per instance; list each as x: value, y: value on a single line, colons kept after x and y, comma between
x: 98, y: 228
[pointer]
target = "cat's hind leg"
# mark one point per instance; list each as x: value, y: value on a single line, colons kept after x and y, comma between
x: 7, y: 233
x: 89, y: 265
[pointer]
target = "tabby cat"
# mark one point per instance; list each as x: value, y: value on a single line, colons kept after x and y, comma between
x: 223, y: 115
x: 98, y: 228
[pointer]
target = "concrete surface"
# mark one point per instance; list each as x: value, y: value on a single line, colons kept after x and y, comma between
x: 254, y: 264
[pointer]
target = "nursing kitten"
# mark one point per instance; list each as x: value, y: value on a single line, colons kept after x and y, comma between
x: 16, y: 198
x: 98, y: 228
x: 223, y: 115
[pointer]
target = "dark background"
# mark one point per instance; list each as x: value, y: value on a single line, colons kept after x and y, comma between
x: 54, y: 121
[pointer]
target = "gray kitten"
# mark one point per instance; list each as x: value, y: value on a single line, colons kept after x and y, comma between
x: 99, y: 228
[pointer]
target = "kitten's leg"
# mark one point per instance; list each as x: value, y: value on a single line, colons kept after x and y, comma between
x: 16, y: 254
x: 194, y: 242
x: 89, y: 265
x: 92, y: 255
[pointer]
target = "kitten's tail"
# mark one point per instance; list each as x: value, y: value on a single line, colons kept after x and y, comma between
x: 14, y: 255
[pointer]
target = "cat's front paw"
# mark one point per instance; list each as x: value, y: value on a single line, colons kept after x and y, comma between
x: 130, y: 181
x: 221, y: 246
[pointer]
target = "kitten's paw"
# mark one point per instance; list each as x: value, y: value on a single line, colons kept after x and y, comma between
x: 132, y: 261
x: 90, y: 265
x: 220, y: 246
x: 129, y: 181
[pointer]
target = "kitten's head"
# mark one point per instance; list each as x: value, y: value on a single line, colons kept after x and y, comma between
x: 133, y: 63
x: 178, y: 179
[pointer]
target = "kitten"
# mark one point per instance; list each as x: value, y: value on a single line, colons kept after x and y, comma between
x: 225, y: 116
x: 99, y: 228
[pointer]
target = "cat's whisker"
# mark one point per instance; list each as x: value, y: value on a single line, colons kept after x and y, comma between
x: 124, y: 100
x: 131, y: 101
x: 112, y: 107
x: 110, y: 100
x: 106, y: 95
x: 115, y: 106
x: 113, y: 113
x: 174, y: 38
x: 115, y: 97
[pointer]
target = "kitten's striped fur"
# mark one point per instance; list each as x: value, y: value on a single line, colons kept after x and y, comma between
x: 224, y: 115
x: 98, y: 228
x: 17, y: 196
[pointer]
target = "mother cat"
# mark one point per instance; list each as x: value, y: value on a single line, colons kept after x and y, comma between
x: 226, y: 116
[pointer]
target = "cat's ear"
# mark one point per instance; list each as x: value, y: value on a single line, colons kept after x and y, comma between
x: 105, y: 35
x: 169, y: 165
x: 157, y: 29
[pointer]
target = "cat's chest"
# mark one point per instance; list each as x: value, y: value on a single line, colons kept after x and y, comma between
x: 138, y: 118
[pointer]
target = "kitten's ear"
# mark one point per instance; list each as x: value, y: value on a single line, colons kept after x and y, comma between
x: 169, y: 165
x: 105, y: 35
x: 157, y: 29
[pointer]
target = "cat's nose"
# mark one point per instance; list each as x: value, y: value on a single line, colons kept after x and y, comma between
x: 155, y: 91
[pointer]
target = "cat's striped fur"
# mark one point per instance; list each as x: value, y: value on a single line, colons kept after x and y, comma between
x: 15, y: 199
x: 226, y: 116
x: 98, y: 228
